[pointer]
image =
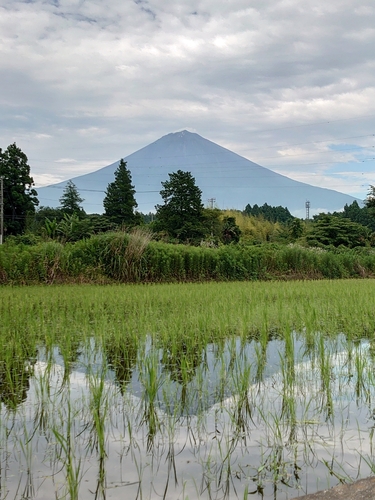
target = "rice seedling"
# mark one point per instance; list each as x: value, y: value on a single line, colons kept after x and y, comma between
x: 196, y: 390
x: 70, y: 462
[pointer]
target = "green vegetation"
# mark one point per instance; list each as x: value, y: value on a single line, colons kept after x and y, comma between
x: 20, y: 198
x: 135, y: 257
x: 181, y: 215
x: 70, y: 201
x: 262, y: 242
x: 186, y: 391
x: 119, y: 201
x: 272, y: 214
x: 370, y: 200
x: 231, y: 232
x: 355, y: 213
x: 330, y: 230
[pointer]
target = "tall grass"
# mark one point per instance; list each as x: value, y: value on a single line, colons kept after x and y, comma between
x: 134, y: 257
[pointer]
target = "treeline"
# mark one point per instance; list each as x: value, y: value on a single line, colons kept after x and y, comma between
x: 272, y: 214
x: 180, y: 218
x: 135, y: 257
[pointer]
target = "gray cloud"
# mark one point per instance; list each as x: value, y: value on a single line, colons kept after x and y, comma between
x: 94, y: 81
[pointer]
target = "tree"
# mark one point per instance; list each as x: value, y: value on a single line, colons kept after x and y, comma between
x: 181, y: 216
x: 273, y: 214
x: 361, y: 215
x: 336, y: 231
x: 370, y: 200
x: 70, y: 200
x: 213, y: 225
x: 19, y: 196
x: 296, y: 228
x: 231, y: 232
x: 119, y: 201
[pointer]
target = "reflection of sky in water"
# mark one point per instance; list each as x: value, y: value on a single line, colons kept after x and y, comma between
x: 206, y: 450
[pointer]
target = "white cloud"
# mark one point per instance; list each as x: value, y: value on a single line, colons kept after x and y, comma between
x: 96, y: 80
x: 46, y: 179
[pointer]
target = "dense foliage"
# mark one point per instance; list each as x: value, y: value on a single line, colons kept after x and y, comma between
x: 119, y: 201
x: 336, y: 231
x: 20, y: 198
x: 272, y: 214
x: 355, y: 213
x: 135, y: 257
x: 181, y: 218
x: 181, y: 215
x: 370, y: 203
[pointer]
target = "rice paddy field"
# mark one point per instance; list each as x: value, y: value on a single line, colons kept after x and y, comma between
x: 261, y: 390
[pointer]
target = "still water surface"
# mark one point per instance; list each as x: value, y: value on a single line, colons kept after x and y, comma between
x: 248, y: 420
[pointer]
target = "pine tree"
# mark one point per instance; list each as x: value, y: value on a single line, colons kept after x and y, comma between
x: 20, y: 198
x: 70, y: 200
x: 119, y: 201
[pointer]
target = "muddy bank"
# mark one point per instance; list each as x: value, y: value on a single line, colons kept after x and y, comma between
x: 360, y: 490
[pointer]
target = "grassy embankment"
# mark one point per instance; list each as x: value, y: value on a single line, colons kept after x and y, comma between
x: 135, y: 258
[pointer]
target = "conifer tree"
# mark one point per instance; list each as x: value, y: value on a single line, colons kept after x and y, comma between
x: 70, y: 200
x: 119, y: 201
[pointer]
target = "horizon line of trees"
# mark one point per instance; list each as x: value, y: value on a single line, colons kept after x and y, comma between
x: 181, y: 218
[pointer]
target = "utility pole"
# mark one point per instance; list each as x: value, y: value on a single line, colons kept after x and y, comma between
x: 1, y: 209
x: 211, y: 202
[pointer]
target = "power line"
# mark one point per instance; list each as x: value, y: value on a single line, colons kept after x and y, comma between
x: 223, y: 167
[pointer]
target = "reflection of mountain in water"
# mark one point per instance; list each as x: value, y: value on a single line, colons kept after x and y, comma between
x: 199, y: 379
x: 191, y: 378
x: 231, y: 179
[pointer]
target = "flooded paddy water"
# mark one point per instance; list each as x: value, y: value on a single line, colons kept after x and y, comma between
x: 270, y: 414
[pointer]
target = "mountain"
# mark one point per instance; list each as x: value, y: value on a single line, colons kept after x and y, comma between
x: 233, y: 181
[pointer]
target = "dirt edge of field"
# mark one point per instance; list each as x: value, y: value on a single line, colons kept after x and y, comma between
x: 364, y: 489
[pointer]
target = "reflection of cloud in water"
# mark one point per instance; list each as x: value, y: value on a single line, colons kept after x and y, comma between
x: 224, y: 446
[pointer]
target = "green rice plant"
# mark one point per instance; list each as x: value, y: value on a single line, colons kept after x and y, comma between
x: 66, y: 455
x: 289, y: 386
x: 175, y: 350
x: 42, y: 388
x: 99, y: 409
x: 325, y: 372
x: 242, y: 413
x: 360, y: 362
x: 26, y: 447
x: 151, y: 381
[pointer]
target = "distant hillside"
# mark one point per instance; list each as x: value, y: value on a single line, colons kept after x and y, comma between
x: 233, y: 181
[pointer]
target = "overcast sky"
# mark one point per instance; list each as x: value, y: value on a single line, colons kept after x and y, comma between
x: 289, y: 84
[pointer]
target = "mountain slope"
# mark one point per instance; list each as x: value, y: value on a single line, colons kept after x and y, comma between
x: 231, y: 179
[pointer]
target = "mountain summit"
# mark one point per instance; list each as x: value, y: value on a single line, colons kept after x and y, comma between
x: 230, y: 179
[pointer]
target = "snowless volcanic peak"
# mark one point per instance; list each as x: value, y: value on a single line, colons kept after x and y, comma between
x: 231, y: 180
